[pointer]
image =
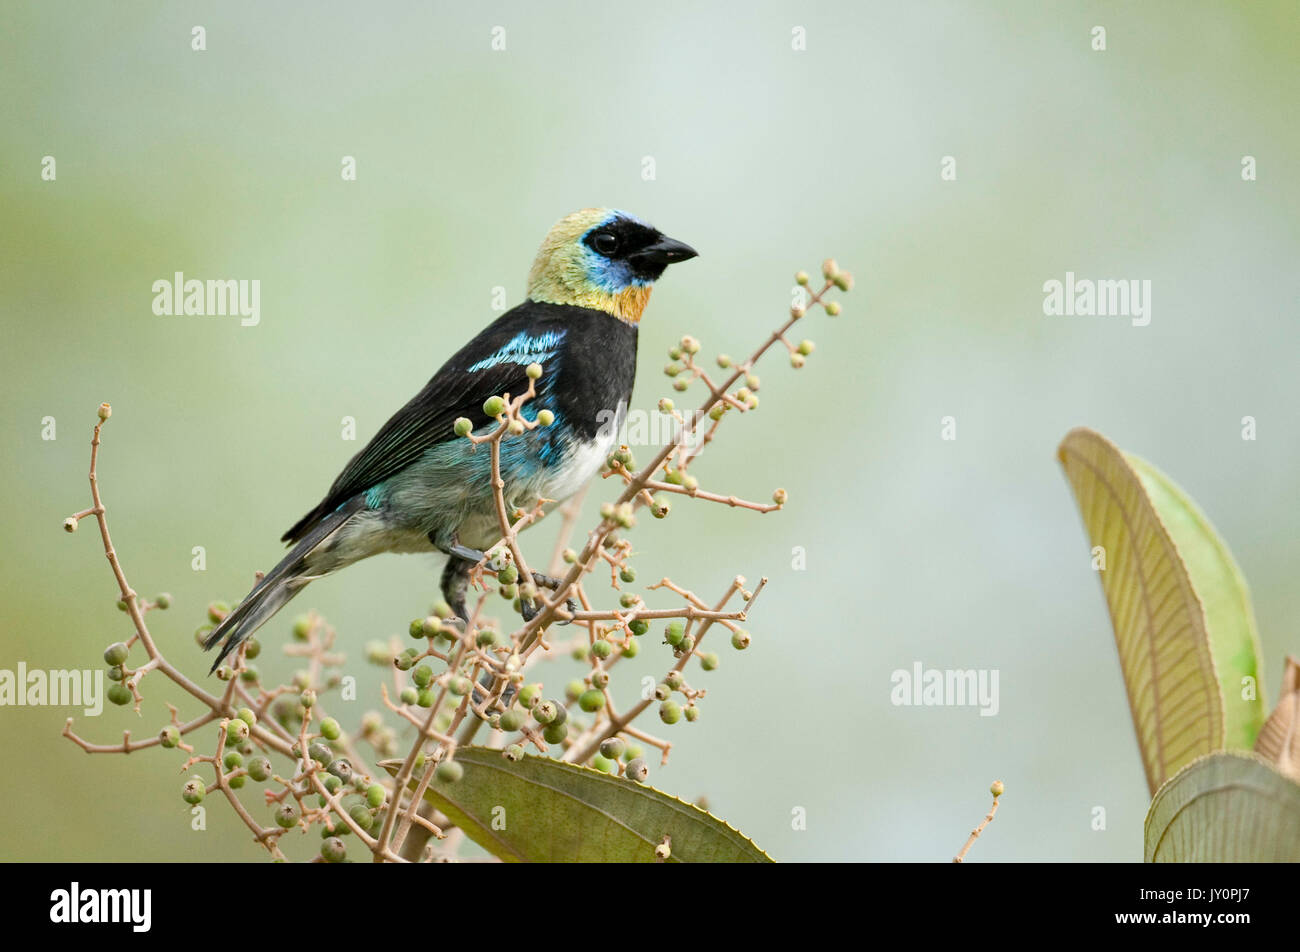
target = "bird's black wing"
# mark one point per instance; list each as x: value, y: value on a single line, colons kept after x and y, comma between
x: 493, y: 363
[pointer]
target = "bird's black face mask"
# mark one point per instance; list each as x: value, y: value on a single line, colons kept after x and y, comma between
x: 645, y: 251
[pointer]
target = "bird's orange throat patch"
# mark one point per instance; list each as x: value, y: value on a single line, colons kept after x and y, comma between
x: 629, y: 304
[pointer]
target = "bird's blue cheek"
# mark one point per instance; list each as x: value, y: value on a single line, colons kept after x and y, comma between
x: 610, y: 276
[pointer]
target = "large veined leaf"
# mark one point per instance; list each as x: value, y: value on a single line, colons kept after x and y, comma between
x: 539, y: 810
x: 1229, y: 618
x: 1223, y: 808
x: 1158, y: 619
x: 1279, y: 738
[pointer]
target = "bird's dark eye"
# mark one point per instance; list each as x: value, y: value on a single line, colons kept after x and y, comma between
x: 605, y: 243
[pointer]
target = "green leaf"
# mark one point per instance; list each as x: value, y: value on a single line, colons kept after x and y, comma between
x: 1225, y: 808
x: 1158, y: 620
x: 539, y: 810
x: 1230, y: 620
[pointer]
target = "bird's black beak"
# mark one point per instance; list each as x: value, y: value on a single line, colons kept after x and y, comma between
x: 662, y: 253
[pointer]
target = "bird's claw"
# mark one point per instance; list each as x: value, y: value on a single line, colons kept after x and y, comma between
x: 548, y: 581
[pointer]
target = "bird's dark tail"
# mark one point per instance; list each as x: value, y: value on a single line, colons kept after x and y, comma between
x: 279, y: 585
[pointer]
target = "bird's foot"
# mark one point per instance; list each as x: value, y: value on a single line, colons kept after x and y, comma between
x: 530, y: 609
x: 484, y: 686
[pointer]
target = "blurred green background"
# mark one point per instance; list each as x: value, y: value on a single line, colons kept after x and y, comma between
x: 957, y: 554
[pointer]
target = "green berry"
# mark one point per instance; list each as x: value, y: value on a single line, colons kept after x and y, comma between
x: 602, y: 649
x: 116, y: 653
x: 426, y: 698
x: 361, y: 816
x: 514, y: 753
x: 330, y: 729
x: 252, y: 648
x: 708, y: 660
x: 545, y: 417
x: 163, y: 600
x: 627, y: 575
x: 670, y: 712
x: 546, y: 711
x: 511, y: 720
x: 674, y: 680
x: 409, y: 695
x: 639, y: 626
x: 459, y: 686
x: 169, y: 736
x: 449, y: 771
x: 462, y: 426
x: 555, y: 733
x: 247, y: 716
x: 612, y: 747
x: 375, y: 795
x: 237, y: 730
x: 302, y: 628
x: 636, y: 770
x: 194, y: 791
x: 259, y: 768
x: 332, y: 850
x: 801, y: 278
x: 116, y: 673
x: 692, y: 714
x: 529, y: 694
x: 233, y: 760
x: 603, y: 764
x: 592, y: 701
x: 663, y: 691
x: 740, y: 639
x: 119, y: 694
x: 320, y: 752
x: 422, y: 676
x: 631, y: 649
x: 494, y: 406
x: 833, y: 308
x: 486, y: 638
x: 674, y: 633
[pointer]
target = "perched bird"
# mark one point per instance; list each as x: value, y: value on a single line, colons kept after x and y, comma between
x: 417, y: 487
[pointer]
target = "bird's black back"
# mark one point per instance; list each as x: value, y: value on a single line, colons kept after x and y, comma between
x: 592, y: 371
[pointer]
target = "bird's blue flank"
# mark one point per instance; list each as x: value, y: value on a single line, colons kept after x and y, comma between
x: 523, y: 348
x: 451, y: 468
